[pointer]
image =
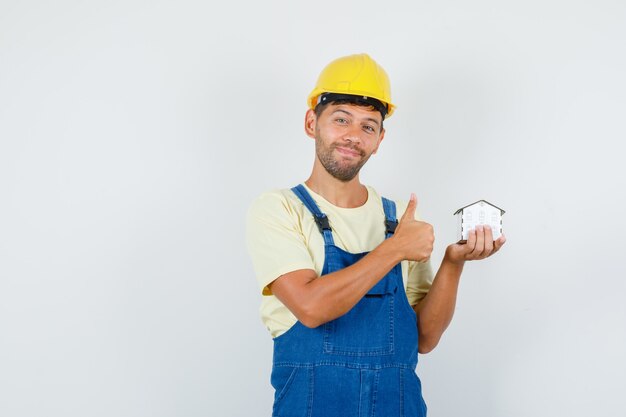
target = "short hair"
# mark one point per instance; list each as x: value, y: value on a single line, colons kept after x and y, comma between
x: 319, y: 109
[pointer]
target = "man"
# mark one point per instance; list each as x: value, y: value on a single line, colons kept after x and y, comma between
x: 349, y: 292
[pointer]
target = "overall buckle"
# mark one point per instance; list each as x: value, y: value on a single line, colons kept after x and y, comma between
x: 391, y: 226
x: 322, y: 223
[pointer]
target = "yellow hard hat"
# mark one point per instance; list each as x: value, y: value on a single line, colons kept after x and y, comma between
x: 354, y: 75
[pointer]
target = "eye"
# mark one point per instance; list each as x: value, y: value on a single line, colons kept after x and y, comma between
x: 369, y: 128
x: 341, y: 120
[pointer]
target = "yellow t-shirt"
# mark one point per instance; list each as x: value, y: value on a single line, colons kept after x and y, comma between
x: 282, y: 236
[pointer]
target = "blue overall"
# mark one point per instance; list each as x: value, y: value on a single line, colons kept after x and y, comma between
x: 361, y: 364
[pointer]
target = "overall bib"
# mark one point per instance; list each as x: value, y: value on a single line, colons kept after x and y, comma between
x: 361, y: 364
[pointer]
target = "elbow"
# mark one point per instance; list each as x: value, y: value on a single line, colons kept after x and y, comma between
x: 310, y: 322
x: 429, y: 335
x: 423, y: 347
x: 310, y: 317
x: 427, y: 342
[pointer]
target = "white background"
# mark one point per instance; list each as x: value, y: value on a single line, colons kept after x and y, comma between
x: 134, y: 135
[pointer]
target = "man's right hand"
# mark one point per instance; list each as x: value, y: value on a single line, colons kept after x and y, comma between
x: 414, y: 238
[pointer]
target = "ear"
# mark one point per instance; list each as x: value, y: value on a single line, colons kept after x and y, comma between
x: 310, y: 119
x: 380, y: 139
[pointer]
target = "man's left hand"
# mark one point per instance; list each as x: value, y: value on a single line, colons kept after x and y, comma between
x: 480, y: 245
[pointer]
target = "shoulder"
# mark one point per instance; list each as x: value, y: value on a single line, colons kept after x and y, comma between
x: 401, y: 204
x: 272, y: 201
x: 275, y: 206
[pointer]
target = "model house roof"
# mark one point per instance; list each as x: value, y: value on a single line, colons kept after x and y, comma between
x: 485, y: 201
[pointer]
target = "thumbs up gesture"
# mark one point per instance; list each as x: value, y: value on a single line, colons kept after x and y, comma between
x: 414, y: 238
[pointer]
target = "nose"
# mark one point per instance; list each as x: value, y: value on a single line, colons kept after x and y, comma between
x: 353, y: 134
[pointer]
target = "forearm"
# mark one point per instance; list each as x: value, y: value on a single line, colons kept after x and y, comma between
x: 331, y: 296
x: 435, y: 311
x: 316, y: 300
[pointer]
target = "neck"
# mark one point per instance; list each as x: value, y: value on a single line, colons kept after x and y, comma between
x: 349, y: 194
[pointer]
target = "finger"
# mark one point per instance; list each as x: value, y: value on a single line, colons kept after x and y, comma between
x: 471, y: 242
x: 498, y: 243
x: 488, y: 241
x: 480, y: 242
x: 409, y: 213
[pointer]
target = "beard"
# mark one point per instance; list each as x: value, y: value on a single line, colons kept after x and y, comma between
x: 338, y: 167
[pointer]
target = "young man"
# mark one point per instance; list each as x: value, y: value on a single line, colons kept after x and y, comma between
x: 348, y: 290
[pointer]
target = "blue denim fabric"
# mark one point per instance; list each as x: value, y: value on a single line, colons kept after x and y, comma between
x: 361, y: 364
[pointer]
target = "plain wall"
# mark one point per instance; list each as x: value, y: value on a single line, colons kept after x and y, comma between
x: 134, y: 135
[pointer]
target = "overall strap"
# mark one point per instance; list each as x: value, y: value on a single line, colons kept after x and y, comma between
x: 390, y: 217
x: 320, y: 218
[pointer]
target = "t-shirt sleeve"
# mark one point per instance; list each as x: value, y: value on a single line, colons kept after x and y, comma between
x: 419, y: 280
x: 275, y: 240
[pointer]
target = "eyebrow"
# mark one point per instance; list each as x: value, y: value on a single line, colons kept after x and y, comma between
x: 350, y: 114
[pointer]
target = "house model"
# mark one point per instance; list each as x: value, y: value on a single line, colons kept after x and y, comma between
x: 480, y: 212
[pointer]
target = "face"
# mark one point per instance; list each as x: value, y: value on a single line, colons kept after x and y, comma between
x: 345, y: 137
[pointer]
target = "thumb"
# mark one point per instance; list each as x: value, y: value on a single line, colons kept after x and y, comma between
x: 409, y: 213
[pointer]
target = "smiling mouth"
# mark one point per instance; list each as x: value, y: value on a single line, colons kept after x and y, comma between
x: 347, y: 151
